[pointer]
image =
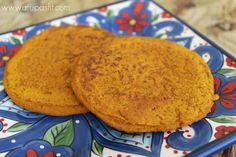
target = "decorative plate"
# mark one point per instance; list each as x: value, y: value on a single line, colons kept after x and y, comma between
x: 27, y: 134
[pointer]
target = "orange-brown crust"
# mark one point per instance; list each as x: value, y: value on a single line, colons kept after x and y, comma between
x: 131, y: 128
x: 177, y: 91
x: 124, y: 125
x: 53, y: 94
x: 48, y: 109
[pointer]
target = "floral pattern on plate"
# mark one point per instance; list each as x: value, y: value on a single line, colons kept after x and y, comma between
x: 27, y: 134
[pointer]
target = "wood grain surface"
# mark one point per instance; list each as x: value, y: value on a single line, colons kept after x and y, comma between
x: 214, y: 18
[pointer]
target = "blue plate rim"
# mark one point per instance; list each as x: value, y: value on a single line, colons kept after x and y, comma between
x: 205, y: 150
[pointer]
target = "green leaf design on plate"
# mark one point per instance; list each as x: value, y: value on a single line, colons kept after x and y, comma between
x: 223, y: 119
x: 60, y: 134
x: 18, y: 127
x: 227, y: 72
x: 110, y: 14
x: 97, y: 25
x: 15, y: 41
x: 154, y: 18
x: 97, y: 149
x: 159, y: 36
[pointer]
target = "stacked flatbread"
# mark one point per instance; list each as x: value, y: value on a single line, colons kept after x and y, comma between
x: 134, y: 84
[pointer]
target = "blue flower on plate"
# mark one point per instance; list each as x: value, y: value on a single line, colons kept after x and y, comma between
x: 41, y: 148
x: 226, y: 89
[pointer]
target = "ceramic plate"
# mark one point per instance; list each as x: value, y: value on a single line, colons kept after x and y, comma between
x: 27, y: 134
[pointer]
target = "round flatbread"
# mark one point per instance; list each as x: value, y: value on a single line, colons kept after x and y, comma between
x: 38, y: 76
x: 144, y: 81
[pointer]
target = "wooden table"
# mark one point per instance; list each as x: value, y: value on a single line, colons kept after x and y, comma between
x: 214, y: 18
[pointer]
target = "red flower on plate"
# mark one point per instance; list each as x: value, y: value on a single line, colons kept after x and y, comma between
x: 166, y: 15
x: 33, y: 153
x: 230, y: 62
x: 133, y: 20
x: 226, y: 97
x: 223, y: 130
x: 19, y: 32
x: 6, y: 53
x: 41, y: 148
x: 102, y: 9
